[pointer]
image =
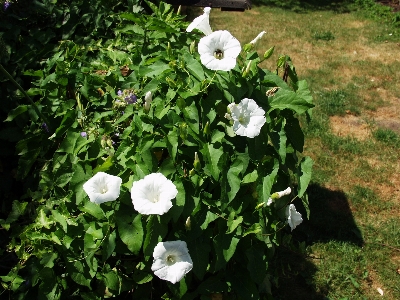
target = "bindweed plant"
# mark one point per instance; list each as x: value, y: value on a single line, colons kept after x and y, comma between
x: 167, y: 170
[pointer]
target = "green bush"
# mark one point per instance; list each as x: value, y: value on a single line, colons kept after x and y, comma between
x: 134, y: 106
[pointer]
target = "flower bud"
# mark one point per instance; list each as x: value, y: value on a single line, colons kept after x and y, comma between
x: 206, y: 129
x: 183, y: 131
x: 169, y: 51
x: 196, y: 163
x: 178, y: 12
x: 188, y: 224
x: 192, y: 47
x: 192, y: 172
x: 247, y: 70
x: 269, y: 52
x: 147, y: 101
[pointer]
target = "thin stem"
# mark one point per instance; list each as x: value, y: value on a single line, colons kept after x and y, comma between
x: 25, y: 94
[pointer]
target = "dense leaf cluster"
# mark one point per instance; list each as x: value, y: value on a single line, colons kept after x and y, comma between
x: 70, y: 247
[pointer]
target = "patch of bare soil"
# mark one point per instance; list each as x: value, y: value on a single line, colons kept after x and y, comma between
x: 350, y: 125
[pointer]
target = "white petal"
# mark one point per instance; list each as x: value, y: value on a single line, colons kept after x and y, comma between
x: 293, y: 216
x: 153, y: 194
x: 202, y: 22
x: 285, y: 192
x: 103, y: 187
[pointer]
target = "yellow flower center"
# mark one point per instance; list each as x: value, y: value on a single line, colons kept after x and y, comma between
x: 218, y: 54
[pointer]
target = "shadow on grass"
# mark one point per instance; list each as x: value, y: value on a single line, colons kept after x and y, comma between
x: 307, y: 5
x: 331, y: 220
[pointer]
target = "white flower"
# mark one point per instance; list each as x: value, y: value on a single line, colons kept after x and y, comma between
x: 147, y: 101
x: 248, y: 118
x: 259, y: 36
x: 202, y: 22
x: 171, y: 261
x: 152, y: 195
x: 102, y: 187
x: 293, y: 216
x: 218, y: 51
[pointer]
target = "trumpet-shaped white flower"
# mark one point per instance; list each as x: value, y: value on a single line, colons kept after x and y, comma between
x: 293, y: 216
x: 202, y: 22
x: 219, y: 50
x: 258, y: 37
x: 102, y: 187
x: 171, y: 261
x: 152, y: 195
x: 278, y: 195
x: 248, y: 118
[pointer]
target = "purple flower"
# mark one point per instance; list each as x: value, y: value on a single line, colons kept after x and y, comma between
x: 6, y: 5
x: 45, y: 127
x: 119, y: 93
x: 131, y: 98
x: 83, y: 134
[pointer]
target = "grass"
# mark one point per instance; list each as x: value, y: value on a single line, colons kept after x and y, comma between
x: 351, y: 64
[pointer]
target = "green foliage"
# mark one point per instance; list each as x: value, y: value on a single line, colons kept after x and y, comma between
x: 323, y: 35
x: 67, y: 245
x: 379, y: 12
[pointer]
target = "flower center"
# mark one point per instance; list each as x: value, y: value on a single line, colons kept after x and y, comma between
x: 170, y: 259
x: 243, y: 119
x: 218, y: 54
x: 103, y: 190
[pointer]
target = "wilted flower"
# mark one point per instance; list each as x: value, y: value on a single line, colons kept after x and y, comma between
x: 147, y: 101
x: 293, y: 216
x: 258, y: 37
x: 202, y: 22
x: 171, y: 261
x: 248, y: 118
x: 102, y: 187
x: 152, y: 195
x: 219, y: 50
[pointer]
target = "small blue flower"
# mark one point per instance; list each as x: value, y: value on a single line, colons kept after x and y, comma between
x: 119, y: 93
x: 45, y: 127
x: 131, y: 98
x: 83, y: 134
x: 6, y: 5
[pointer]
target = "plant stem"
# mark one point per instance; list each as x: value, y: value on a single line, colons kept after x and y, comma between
x: 25, y: 94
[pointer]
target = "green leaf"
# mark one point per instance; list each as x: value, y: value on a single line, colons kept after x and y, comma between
x: 255, y: 228
x: 66, y: 123
x: 199, y: 250
x: 256, y: 265
x: 268, y: 182
x: 224, y: 247
x: 279, y: 139
x: 105, y: 166
x: 172, y: 143
x: 180, y: 200
x: 155, y: 231
x: 109, y: 245
x: 305, y: 174
x: 18, y: 209
x: 233, y: 223
x: 42, y: 220
x: 295, y: 134
x: 286, y: 99
x: 251, y: 177
x: 94, y: 210
x: 131, y: 232
x: 112, y: 280
x: 59, y: 219
x: 16, y: 112
x: 48, y: 259
x: 212, y: 156
x: 194, y: 67
x: 69, y: 142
